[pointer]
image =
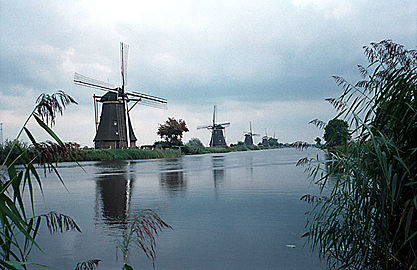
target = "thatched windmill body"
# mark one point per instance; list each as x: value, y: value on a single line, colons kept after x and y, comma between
x: 217, y: 131
x: 114, y: 129
x: 249, y: 135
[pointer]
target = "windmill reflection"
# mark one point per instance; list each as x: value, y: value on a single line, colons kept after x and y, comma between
x: 171, y: 176
x: 113, y: 192
x: 218, y: 170
x: 249, y: 165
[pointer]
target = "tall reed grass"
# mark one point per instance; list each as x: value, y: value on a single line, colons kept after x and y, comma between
x: 366, y: 215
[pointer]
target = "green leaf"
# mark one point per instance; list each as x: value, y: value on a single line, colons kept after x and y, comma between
x: 30, y: 136
x: 59, y: 176
x: 127, y: 267
x: 48, y: 130
x: 408, y: 221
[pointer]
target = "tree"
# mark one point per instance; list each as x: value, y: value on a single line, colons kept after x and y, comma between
x: 172, y: 131
x: 366, y: 215
x: 318, y: 141
x: 273, y: 141
x: 336, y: 132
x: 195, y: 146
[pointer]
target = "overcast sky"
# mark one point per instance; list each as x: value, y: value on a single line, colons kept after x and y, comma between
x: 268, y: 62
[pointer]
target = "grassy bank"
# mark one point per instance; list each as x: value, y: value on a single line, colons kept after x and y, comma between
x: 123, y: 154
x: 220, y: 149
x: 132, y: 154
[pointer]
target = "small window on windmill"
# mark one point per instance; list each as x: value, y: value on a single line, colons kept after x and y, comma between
x: 115, y: 123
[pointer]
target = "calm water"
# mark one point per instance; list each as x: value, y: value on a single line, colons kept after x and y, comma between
x: 228, y: 211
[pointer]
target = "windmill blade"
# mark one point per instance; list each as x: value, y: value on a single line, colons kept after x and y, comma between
x: 256, y: 134
x: 124, y: 49
x: 93, y: 83
x: 150, y: 103
x: 204, y: 127
x: 214, y: 116
x: 148, y: 97
x: 224, y: 124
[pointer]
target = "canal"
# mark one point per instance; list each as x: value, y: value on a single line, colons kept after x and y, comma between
x: 237, y: 210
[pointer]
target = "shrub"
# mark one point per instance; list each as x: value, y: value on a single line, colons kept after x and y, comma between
x: 194, y: 146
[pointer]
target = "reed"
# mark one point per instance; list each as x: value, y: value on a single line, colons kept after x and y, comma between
x: 19, y: 222
x: 366, y: 214
x: 142, y: 231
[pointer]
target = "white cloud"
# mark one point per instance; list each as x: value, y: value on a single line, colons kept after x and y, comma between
x: 340, y: 9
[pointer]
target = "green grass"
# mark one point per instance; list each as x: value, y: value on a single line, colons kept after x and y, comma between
x: 124, y: 154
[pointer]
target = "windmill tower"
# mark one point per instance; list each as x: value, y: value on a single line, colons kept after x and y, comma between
x: 114, y: 129
x: 249, y: 135
x: 217, y: 134
x: 265, y: 141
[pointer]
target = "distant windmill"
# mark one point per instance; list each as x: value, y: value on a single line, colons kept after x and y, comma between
x: 265, y: 141
x: 249, y: 135
x: 273, y: 141
x: 111, y: 130
x: 217, y: 135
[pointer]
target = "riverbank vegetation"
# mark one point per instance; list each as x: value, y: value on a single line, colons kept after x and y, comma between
x: 366, y: 214
x: 193, y: 147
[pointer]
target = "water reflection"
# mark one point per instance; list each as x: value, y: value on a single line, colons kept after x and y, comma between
x: 218, y: 170
x: 113, y: 192
x: 249, y: 165
x: 171, y: 177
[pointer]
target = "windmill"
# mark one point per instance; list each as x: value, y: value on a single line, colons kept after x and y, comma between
x: 217, y: 135
x: 265, y: 140
x: 273, y: 141
x: 249, y: 135
x: 114, y: 129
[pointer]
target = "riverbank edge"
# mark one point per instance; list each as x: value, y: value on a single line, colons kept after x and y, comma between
x: 139, y: 154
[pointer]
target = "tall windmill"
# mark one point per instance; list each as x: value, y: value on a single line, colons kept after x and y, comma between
x: 114, y: 129
x: 217, y: 134
x: 249, y: 135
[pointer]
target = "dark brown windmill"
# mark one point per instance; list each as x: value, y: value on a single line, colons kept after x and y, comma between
x: 249, y: 135
x: 114, y: 129
x: 217, y: 134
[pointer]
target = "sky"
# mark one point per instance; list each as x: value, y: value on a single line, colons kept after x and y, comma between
x: 268, y: 62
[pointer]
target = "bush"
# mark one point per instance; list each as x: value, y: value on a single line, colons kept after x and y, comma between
x: 194, y: 146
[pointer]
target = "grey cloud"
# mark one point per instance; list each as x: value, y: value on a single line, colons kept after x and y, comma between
x: 197, y: 52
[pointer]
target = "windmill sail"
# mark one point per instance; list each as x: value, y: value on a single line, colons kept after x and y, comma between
x: 124, y: 49
x: 150, y: 103
x: 89, y: 82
